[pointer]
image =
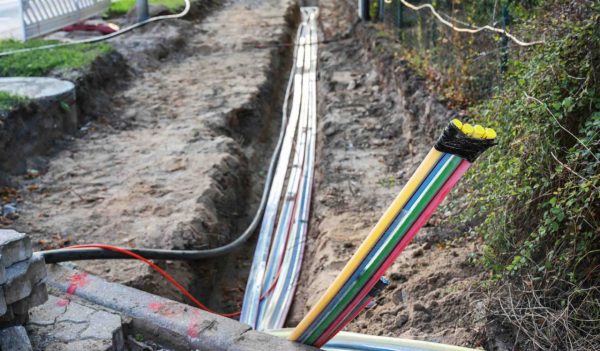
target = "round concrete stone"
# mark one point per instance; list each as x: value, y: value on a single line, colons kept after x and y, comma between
x: 39, y: 88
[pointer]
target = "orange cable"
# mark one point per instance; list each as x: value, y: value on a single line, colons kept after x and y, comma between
x: 169, y: 277
x: 160, y: 271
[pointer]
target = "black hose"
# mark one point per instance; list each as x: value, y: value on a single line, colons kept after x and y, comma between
x: 62, y: 255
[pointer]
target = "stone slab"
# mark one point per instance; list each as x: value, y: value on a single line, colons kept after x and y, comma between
x: 68, y: 323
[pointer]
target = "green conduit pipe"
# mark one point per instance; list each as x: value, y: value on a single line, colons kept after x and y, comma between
x: 356, y: 286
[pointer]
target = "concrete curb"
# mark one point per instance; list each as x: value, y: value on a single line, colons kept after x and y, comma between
x: 174, y: 323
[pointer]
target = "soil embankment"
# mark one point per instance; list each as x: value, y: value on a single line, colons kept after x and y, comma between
x: 176, y: 162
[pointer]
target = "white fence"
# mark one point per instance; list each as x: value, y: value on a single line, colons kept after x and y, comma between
x: 39, y: 17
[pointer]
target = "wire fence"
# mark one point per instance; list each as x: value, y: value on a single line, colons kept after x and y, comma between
x: 467, y: 66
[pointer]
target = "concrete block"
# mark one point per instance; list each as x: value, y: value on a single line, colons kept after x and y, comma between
x: 14, y: 339
x: 38, y: 296
x: 76, y: 313
x: 22, y: 277
x: 67, y: 331
x: 2, y: 271
x: 2, y: 303
x: 179, y: 325
x: 14, y: 247
x: 10, y: 318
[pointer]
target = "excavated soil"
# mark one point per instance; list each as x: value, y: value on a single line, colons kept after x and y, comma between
x: 176, y: 155
x: 377, y: 122
x: 178, y: 160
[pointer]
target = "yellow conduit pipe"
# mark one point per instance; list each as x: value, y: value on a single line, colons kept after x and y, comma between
x: 384, y: 222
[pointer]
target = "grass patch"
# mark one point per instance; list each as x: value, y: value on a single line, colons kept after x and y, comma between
x: 121, y: 7
x: 40, y: 63
x: 9, y: 101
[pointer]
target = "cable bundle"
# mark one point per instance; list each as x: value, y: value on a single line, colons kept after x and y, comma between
x: 446, y: 162
x: 278, y: 256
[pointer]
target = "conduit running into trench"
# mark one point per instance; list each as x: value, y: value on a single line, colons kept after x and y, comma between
x: 280, y: 246
x: 356, y: 285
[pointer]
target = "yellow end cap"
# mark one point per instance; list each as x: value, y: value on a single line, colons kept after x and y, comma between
x: 478, y: 132
x: 457, y: 123
x: 490, y: 133
x: 467, y: 129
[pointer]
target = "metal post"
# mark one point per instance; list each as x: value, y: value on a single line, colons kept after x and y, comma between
x: 399, y: 19
x: 23, y: 30
x: 399, y: 22
x: 141, y: 9
x: 504, y: 42
x: 364, y: 10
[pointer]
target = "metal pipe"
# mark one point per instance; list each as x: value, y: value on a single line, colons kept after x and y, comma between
x: 141, y: 10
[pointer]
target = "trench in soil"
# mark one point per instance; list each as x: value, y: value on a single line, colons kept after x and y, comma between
x: 242, y: 137
x: 257, y: 128
x: 220, y: 282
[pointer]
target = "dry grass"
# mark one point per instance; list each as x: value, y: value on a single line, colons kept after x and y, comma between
x: 549, y: 314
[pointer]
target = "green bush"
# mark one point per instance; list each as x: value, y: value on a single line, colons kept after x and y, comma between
x: 541, y: 184
x: 539, y: 189
x: 535, y: 197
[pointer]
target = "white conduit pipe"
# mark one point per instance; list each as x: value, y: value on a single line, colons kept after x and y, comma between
x: 278, y: 303
x: 254, y: 285
x: 345, y: 341
x: 278, y: 255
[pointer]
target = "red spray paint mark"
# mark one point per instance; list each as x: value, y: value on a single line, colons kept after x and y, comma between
x: 192, y: 330
x: 155, y: 306
x: 76, y: 281
x: 63, y: 302
x: 162, y: 309
x: 194, y: 327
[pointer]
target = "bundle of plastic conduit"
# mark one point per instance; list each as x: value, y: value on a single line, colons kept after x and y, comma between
x: 446, y: 162
x: 280, y: 246
x: 346, y: 341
